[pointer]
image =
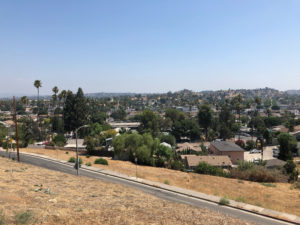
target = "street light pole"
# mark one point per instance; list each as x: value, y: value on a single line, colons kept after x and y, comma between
x: 77, y: 158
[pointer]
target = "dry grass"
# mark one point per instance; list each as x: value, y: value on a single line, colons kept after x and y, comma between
x: 81, y: 200
x: 281, y: 198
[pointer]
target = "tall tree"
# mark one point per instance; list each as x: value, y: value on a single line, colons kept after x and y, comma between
x: 38, y: 84
x: 54, y: 96
x: 205, y: 117
x: 62, y: 96
x: 288, y: 145
x: 76, y: 110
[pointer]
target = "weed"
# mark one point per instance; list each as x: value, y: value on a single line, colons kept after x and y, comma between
x: 88, y: 164
x: 268, y: 196
x: 224, y: 201
x: 87, y: 156
x: 268, y: 184
x: 240, y: 181
x: 23, y: 217
x: 240, y: 199
x: 167, y: 182
x: 67, y: 153
x: 2, y: 219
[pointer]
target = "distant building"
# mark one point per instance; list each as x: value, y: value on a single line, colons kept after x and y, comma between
x: 233, y: 151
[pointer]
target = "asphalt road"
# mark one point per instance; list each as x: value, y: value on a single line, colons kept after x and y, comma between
x: 164, y: 194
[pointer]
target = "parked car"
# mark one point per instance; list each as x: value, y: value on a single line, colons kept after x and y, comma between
x: 275, y: 154
x: 256, y: 160
x: 255, y: 151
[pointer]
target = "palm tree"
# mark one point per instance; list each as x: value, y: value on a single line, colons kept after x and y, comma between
x: 62, y: 96
x: 54, y: 96
x: 38, y: 85
x: 24, y: 100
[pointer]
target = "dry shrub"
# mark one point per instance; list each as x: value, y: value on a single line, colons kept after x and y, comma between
x: 256, y: 173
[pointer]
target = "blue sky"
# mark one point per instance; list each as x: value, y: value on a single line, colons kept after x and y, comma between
x: 149, y: 46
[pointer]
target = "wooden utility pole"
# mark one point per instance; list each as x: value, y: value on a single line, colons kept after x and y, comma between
x: 16, y: 126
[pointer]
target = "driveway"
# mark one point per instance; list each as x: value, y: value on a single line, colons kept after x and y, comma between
x: 268, y: 154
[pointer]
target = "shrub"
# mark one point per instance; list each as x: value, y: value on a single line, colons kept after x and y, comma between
x: 23, y: 217
x: 250, y: 144
x: 167, y: 182
x: 177, y: 165
x: 290, y: 166
x: 73, y: 160
x: 101, y: 161
x: 224, y: 201
x: 88, y: 164
x: 245, y: 165
x: 59, y: 140
x: 268, y: 184
x: 256, y: 174
x: 205, y: 168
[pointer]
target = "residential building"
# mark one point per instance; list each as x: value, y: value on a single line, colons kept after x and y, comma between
x: 233, y: 151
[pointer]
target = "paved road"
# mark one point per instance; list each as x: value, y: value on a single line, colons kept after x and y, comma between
x: 164, y: 194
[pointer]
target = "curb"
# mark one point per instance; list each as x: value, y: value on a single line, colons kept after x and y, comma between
x: 190, y: 193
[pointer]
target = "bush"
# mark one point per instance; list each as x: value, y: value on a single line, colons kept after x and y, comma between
x: 88, y: 164
x: 177, y: 165
x: 59, y: 140
x: 205, y: 168
x: 255, y: 173
x: 167, y: 182
x: 101, y: 161
x: 224, y: 201
x: 73, y: 160
x: 290, y: 166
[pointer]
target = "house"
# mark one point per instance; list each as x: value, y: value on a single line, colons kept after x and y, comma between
x: 191, y: 161
x: 233, y: 151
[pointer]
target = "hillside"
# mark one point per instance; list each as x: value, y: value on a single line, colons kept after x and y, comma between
x: 48, y: 197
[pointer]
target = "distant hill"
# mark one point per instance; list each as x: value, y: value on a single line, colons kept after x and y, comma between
x: 108, y: 95
x: 293, y: 92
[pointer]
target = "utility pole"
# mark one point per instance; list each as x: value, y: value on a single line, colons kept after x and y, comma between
x: 16, y: 125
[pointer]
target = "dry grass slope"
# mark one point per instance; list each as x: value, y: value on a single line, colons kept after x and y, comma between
x: 281, y: 198
x: 50, y: 197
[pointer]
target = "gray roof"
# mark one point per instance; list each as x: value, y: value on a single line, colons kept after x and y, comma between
x: 226, y: 146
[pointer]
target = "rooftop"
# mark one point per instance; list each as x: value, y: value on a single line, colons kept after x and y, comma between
x: 226, y: 146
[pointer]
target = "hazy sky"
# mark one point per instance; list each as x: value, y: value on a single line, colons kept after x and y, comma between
x: 149, y: 45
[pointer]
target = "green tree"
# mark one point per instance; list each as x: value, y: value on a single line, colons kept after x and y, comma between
x: 288, y: 144
x: 150, y: 123
x: 76, y: 111
x: 205, y: 117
